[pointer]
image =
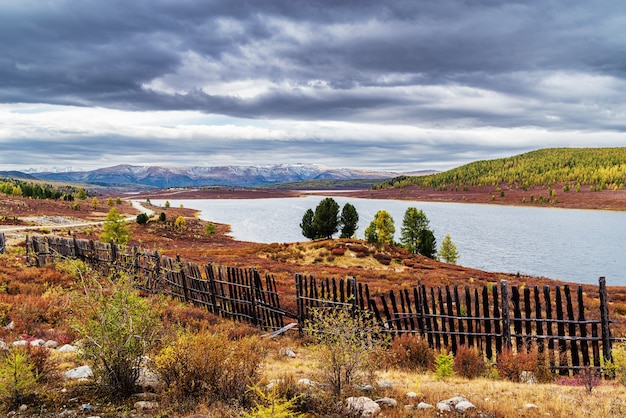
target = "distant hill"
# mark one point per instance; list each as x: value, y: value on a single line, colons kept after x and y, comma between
x: 243, y: 176
x: 16, y: 175
x: 604, y: 168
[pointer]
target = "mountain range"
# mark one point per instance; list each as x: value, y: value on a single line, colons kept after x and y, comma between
x: 241, y: 176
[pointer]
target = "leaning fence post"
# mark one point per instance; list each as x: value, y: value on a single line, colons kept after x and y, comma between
x: 506, y: 317
x: 299, y: 304
x: 604, y: 317
x: 2, y: 243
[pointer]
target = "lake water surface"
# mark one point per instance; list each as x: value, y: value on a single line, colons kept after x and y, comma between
x: 566, y: 244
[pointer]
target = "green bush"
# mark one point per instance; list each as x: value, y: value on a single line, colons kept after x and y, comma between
x: 142, y: 218
x: 17, y: 377
x: 118, y: 328
x: 210, y: 228
x: 444, y: 365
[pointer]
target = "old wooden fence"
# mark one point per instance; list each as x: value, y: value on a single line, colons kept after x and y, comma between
x: 491, y: 318
x: 236, y: 293
x: 552, y: 320
x: 2, y: 243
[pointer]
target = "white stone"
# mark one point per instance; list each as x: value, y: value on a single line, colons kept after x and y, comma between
x: 388, y: 402
x: 20, y: 343
x: 362, y: 407
x: 444, y: 407
x: 411, y: 395
x: 383, y: 384
x: 289, y: 353
x: 530, y: 406
x: 464, y: 406
x: 82, y: 372
x: 67, y: 348
x: 424, y: 405
x: 51, y: 344
x: 307, y: 382
x: 37, y: 343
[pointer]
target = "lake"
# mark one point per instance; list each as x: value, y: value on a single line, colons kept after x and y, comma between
x: 565, y: 244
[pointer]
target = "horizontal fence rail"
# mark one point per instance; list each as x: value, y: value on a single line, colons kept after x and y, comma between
x: 551, y: 320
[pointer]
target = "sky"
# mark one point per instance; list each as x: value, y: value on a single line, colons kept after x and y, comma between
x: 395, y: 85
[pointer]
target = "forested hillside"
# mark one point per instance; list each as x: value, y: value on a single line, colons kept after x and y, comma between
x: 601, y: 168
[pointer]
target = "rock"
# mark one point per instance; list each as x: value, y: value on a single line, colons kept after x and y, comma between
x: 531, y: 406
x: 411, y: 395
x: 361, y: 407
x: 383, y: 384
x: 289, y: 353
x: 444, y: 407
x: 37, y: 343
x: 51, y: 344
x: 82, y: 372
x: 143, y: 406
x: 23, y: 408
x: 464, y: 406
x: 10, y: 326
x: 424, y: 405
x: 20, y: 343
x: 67, y: 348
x: 387, y: 402
x: 453, y: 402
x: 86, y: 407
x: 148, y: 379
x: 307, y: 382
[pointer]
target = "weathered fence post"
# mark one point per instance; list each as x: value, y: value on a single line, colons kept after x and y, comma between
x: 2, y: 243
x: 506, y: 318
x: 183, y: 276
x: 113, y: 251
x: 604, y: 317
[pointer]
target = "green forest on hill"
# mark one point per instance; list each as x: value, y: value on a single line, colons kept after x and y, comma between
x: 602, y: 168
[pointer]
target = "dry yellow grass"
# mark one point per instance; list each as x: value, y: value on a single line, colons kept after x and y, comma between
x: 496, y: 398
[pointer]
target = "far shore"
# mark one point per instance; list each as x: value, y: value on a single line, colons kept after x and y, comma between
x: 613, y: 200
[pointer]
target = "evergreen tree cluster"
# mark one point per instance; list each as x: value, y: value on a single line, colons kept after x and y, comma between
x: 326, y: 220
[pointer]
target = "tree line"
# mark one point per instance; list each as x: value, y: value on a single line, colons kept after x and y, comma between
x: 603, y: 168
x: 416, y: 235
x: 13, y: 187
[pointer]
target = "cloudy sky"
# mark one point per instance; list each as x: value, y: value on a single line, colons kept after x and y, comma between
x: 391, y: 85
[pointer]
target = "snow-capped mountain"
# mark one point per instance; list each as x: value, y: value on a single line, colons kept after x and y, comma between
x: 249, y: 176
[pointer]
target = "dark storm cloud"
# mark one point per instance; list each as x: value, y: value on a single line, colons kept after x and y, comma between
x: 102, y: 53
x: 434, y: 64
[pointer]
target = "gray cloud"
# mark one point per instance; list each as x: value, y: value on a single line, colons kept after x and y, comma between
x: 519, y: 68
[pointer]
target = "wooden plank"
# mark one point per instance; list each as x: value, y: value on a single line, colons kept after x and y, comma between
x: 442, y: 312
x: 584, y: 346
x: 505, y: 323
x: 517, y: 316
x: 477, y: 315
x: 487, y: 324
x: 548, y: 302
x: 527, y: 322
x: 571, y: 329
x: 606, y: 321
x: 429, y: 327
x: 562, y: 354
x: 459, y: 313
x: 538, y: 314
x: 397, y: 322
x: 409, y: 310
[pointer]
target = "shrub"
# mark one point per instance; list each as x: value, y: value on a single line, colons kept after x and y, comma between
x: 619, y: 362
x: 444, y: 365
x: 118, y: 328
x: 180, y: 222
x: 210, y: 228
x: 272, y: 405
x: 347, y: 347
x: 412, y: 352
x: 510, y: 366
x: 209, y: 367
x: 468, y: 362
x: 142, y: 219
x: 17, y: 377
x: 162, y: 217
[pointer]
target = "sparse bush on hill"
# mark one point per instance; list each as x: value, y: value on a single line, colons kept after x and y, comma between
x: 348, y: 347
x: 468, y: 362
x: 17, y: 377
x: 412, y: 352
